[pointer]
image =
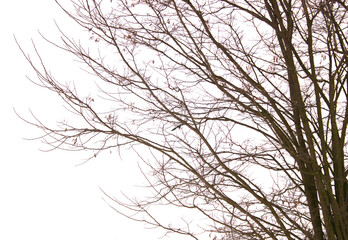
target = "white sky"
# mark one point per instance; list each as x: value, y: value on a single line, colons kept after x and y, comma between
x: 45, y: 195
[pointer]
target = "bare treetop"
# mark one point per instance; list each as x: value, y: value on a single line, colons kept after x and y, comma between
x: 238, y: 110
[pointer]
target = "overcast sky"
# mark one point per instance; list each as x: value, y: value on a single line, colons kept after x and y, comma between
x: 44, y: 195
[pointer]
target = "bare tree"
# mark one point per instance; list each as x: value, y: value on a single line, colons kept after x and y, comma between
x: 242, y: 105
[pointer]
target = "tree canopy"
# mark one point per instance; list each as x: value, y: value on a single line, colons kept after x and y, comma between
x: 238, y: 109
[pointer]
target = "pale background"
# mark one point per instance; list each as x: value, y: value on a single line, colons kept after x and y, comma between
x: 45, y: 195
